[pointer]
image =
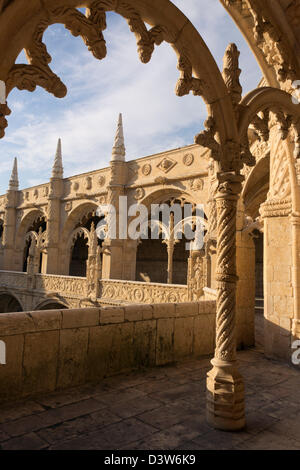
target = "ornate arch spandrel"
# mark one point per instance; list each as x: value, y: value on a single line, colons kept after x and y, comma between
x: 23, y: 23
x: 287, y: 114
x: 25, y: 223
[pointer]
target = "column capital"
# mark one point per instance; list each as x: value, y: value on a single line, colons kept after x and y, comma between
x: 229, y: 185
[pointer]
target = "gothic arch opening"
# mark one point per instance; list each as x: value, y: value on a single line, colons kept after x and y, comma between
x: 80, y: 246
x: 34, y: 234
x: 163, y: 256
x: 9, y: 304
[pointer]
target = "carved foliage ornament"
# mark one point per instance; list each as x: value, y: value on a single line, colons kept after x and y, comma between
x: 90, y: 27
x: 166, y: 165
x: 188, y: 159
x: 268, y: 36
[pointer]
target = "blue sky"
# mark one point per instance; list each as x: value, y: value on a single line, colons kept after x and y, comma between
x: 155, y: 119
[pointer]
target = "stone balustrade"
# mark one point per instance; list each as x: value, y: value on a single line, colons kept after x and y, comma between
x: 143, y: 292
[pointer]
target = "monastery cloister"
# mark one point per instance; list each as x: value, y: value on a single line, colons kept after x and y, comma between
x: 151, y: 302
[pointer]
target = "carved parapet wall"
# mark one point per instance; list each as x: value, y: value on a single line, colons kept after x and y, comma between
x: 142, y: 292
x: 65, y: 285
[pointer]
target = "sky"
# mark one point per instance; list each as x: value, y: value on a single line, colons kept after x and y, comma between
x: 154, y: 118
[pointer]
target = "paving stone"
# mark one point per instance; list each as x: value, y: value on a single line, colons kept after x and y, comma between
x: 9, y: 412
x: 27, y: 442
x: 58, y: 415
x: 161, y: 408
x: 268, y: 440
x: 22, y: 426
x: 78, y: 426
x: 119, y: 396
x: 135, y: 407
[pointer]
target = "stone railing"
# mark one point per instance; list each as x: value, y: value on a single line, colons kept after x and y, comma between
x: 115, y: 291
x: 65, y: 285
x: 13, y: 280
x: 56, y: 349
x: 209, y: 294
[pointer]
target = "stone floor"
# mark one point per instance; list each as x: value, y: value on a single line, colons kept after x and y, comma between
x: 162, y: 408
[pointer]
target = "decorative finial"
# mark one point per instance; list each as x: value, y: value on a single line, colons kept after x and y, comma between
x: 57, y: 170
x: 14, y: 180
x: 232, y: 72
x: 118, y: 151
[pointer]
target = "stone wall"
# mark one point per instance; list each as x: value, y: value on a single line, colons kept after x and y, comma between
x: 55, y: 349
x: 279, y: 300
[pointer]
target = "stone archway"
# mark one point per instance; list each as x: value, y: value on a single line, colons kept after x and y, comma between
x: 271, y: 30
x: 9, y: 303
x: 73, y: 223
x: 199, y: 74
x: 31, y: 222
x: 198, y: 70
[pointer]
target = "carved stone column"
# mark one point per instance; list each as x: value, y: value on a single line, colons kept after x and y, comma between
x: 196, y: 275
x: 170, y: 242
x: 93, y: 271
x: 225, y: 388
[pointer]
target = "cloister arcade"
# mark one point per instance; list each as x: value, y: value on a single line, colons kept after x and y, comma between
x: 244, y: 169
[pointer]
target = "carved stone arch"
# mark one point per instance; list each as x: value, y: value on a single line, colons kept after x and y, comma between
x: 10, y: 302
x: 74, y: 218
x: 78, y: 232
x: 199, y: 72
x: 21, y: 234
x: 287, y: 116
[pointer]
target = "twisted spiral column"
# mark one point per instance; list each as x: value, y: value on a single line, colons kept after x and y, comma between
x: 226, y: 278
x: 225, y: 388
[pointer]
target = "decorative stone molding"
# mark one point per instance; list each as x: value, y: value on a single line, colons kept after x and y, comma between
x: 75, y: 286
x: 232, y: 72
x: 196, y: 184
x: 4, y: 111
x: 146, y: 169
x: 88, y: 183
x: 166, y: 164
x: 101, y: 181
x: 276, y: 208
x: 139, y: 193
x: 188, y: 159
x: 68, y: 206
x: 143, y: 292
x: 90, y: 27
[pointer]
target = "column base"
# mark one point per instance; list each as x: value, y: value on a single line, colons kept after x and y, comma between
x: 225, y: 397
